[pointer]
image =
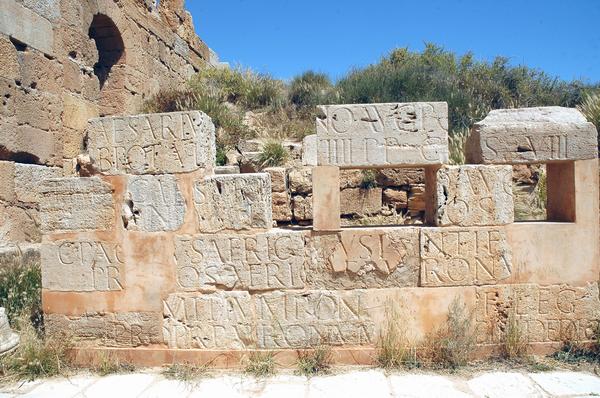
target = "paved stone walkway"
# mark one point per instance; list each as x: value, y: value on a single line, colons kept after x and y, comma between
x: 357, y: 383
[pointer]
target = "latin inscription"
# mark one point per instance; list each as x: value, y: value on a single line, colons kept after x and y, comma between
x: 209, y: 321
x: 237, y: 262
x: 308, y: 319
x: 383, y: 134
x: 82, y: 266
x: 152, y: 144
x: 464, y: 256
x: 545, y: 313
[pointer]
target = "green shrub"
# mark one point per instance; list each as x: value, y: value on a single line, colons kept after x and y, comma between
x: 310, y: 89
x: 314, y: 362
x: 260, y: 364
x: 273, y: 154
x: 21, y: 285
x: 368, y: 179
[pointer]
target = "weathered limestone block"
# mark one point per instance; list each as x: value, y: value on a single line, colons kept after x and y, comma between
x: 464, y: 256
x: 82, y: 266
x: 26, y: 26
x: 273, y: 260
x: 123, y: 329
x: 396, y: 198
x: 223, y: 320
x: 302, y: 208
x: 35, y: 145
x: 278, y: 178
x: 416, y: 199
x: 234, y: 202
x: 29, y: 178
x: 10, y: 61
x: 309, y: 150
x: 363, y: 258
x: 163, y: 143
x: 383, y: 134
x: 311, y: 318
x: 532, y: 135
x: 360, y: 201
x: 71, y: 204
x: 400, y: 177
x: 153, y: 204
x: 555, y: 313
x: 8, y: 338
x: 474, y: 196
x: 19, y: 224
x: 301, y: 180
x: 282, y: 207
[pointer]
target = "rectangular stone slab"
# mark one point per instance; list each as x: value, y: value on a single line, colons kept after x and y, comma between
x: 234, y: 202
x: 532, y: 135
x: 76, y: 204
x: 382, y: 135
x: 473, y: 195
x: 82, y: 266
x: 456, y: 256
x: 161, y: 143
x: 265, y: 261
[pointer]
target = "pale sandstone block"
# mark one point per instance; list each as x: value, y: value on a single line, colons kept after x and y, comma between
x: 301, y: 180
x: 124, y: 329
x: 302, y: 208
x: 29, y: 179
x: 474, y: 196
x: 77, y: 113
x: 82, y: 266
x: 71, y: 204
x: 318, y: 317
x: 555, y: 313
x: 7, y: 181
x: 397, y: 198
x: 153, y: 204
x: 163, y: 143
x: 273, y: 260
x: 363, y: 258
x: 26, y: 26
x: 360, y: 201
x: 400, y: 177
x: 19, y: 225
x: 278, y: 178
x: 389, y: 135
x: 532, y: 135
x: 38, y: 146
x: 464, y: 256
x: 326, y: 198
x: 234, y: 202
x: 309, y: 150
x: 10, y: 62
x: 223, y: 320
x: 282, y: 207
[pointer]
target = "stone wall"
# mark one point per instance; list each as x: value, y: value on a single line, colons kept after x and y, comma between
x: 63, y: 62
x: 155, y: 259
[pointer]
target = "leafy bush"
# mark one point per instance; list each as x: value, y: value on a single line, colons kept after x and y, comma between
x: 310, y: 89
x: 273, y: 154
x: 368, y: 179
x: 21, y: 286
x: 260, y: 364
x: 314, y: 362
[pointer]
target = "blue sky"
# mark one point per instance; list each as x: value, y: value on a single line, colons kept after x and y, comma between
x: 284, y: 38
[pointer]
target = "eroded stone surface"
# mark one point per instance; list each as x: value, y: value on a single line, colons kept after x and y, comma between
x: 213, y: 321
x: 82, y: 266
x: 234, y: 202
x: 152, y: 144
x: 153, y: 204
x: 363, y: 258
x: 266, y: 261
x: 388, y: 135
x: 545, y: 313
x: 464, y: 256
x: 532, y: 135
x: 474, y: 196
x: 124, y: 329
x: 28, y: 179
x: 71, y: 204
x: 308, y: 319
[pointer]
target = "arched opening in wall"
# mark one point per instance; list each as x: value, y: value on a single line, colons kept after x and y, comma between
x: 111, y: 50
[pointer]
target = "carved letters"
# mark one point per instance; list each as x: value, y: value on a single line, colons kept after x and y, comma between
x: 82, y: 266
x: 152, y: 144
x: 383, y: 135
x: 273, y: 260
x: 464, y: 256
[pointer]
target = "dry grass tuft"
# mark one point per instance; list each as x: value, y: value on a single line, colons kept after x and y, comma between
x: 514, y: 343
x: 260, y: 364
x: 314, y: 362
x: 394, y: 349
x: 185, y: 372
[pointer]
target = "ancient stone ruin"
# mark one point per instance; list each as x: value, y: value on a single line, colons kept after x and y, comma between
x: 156, y: 258
x: 149, y: 255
